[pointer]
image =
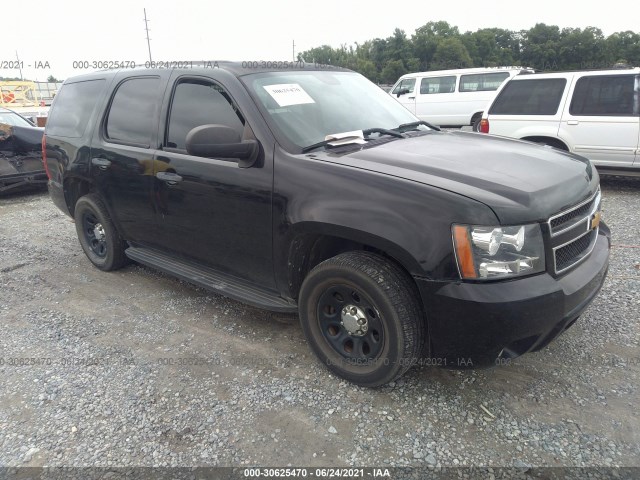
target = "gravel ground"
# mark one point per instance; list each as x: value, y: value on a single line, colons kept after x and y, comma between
x: 135, y: 368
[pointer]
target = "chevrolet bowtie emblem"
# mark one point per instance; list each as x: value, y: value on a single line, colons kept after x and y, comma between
x: 595, y: 220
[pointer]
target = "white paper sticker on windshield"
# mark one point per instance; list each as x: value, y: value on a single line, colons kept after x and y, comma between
x: 286, y: 94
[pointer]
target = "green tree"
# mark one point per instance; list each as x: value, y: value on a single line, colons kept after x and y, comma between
x: 323, y: 55
x: 581, y: 49
x: 426, y: 39
x: 540, y: 46
x: 491, y: 47
x: 398, y: 46
x: 368, y: 69
x: 623, y: 46
x: 393, y: 70
x: 439, y: 45
x: 52, y: 79
x: 451, y: 53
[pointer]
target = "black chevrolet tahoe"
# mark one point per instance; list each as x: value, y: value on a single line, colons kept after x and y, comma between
x: 309, y: 189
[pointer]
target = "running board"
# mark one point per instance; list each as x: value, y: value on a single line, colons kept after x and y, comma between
x: 210, y: 279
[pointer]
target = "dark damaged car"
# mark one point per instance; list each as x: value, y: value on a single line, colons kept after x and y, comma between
x: 20, y: 152
x: 311, y: 190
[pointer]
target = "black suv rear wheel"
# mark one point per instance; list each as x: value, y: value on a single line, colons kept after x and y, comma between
x: 362, y: 318
x: 97, y: 234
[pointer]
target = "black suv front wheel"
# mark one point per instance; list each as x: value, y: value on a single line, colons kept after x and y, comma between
x: 98, y: 236
x: 362, y: 317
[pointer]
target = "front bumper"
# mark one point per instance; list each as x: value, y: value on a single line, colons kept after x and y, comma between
x: 481, y: 324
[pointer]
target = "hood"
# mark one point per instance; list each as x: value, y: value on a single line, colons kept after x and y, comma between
x: 519, y: 180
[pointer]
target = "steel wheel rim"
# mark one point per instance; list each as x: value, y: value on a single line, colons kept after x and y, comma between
x: 94, y: 235
x: 358, y: 348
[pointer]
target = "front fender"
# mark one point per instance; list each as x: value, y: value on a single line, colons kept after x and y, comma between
x: 407, y: 220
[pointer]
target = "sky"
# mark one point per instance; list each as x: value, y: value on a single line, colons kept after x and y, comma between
x: 56, y: 38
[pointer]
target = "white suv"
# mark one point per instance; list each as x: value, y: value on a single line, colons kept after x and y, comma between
x: 595, y: 114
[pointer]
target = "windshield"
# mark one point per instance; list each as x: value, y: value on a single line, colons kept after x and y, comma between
x: 304, y: 107
x: 13, y: 119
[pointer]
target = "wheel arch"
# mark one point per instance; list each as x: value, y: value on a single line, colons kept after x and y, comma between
x: 74, y: 188
x: 476, y: 116
x: 312, y: 243
x: 551, y: 141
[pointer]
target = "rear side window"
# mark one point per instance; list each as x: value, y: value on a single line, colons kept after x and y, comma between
x: 198, y: 103
x: 408, y: 84
x: 133, y: 113
x: 73, y: 106
x: 604, y: 95
x: 482, y: 82
x: 530, y: 97
x: 437, y: 85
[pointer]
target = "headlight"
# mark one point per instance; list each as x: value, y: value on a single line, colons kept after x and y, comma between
x: 498, y: 252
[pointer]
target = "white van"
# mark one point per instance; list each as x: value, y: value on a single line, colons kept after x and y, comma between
x: 452, y: 98
x: 593, y: 113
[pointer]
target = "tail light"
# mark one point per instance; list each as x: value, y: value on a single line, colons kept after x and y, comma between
x: 484, y: 126
x: 44, y: 156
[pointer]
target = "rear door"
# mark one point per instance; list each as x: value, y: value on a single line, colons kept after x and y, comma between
x: 528, y: 107
x: 602, y: 121
x: 122, y: 152
x: 210, y: 210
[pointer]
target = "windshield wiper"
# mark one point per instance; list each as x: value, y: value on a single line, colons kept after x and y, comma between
x: 365, y: 134
x: 382, y: 131
x: 405, y: 127
x: 323, y: 143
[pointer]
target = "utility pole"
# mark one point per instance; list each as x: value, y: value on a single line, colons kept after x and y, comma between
x: 146, y: 27
x: 19, y: 67
x: 294, y: 50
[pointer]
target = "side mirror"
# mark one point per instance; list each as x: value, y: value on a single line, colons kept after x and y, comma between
x: 402, y: 91
x: 220, y: 141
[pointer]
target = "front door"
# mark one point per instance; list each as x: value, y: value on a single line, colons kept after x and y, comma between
x: 209, y: 210
x: 405, y: 93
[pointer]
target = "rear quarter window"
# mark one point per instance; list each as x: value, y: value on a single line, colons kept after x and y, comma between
x: 73, y: 107
x: 612, y: 95
x: 529, y: 97
x: 133, y: 113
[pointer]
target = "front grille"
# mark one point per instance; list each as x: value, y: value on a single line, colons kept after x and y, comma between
x: 575, y: 251
x: 572, y: 217
x: 575, y: 224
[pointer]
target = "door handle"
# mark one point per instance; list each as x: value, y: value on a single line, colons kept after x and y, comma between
x: 101, y: 163
x: 411, y: 98
x: 169, y: 177
x: 572, y: 122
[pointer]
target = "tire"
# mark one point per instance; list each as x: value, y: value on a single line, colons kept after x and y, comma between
x: 98, y: 236
x: 475, y: 124
x: 358, y: 287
